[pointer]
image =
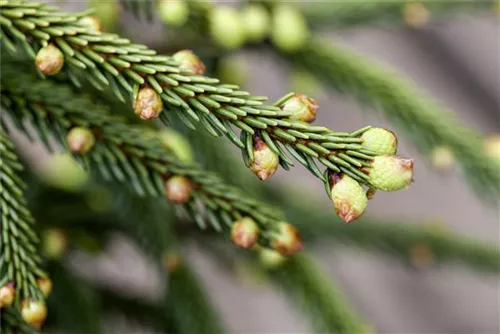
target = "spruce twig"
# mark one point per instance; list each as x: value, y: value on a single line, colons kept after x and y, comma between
x: 129, y: 154
x: 19, y: 260
x: 115, y: 63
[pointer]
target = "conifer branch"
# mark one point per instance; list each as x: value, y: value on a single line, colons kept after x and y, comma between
x: 128, y: 69
x: 11, y: 322
x: 347, y: 14
x: 424, y: 121
x: 19, y: 260
x: 131, y: 155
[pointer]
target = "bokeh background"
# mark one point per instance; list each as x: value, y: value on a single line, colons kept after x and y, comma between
x: 456, y: 62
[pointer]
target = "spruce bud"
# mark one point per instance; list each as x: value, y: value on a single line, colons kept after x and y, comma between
x: 176, y: 142
x: 492, y: 147
x: 265, y: 161
x: 92, y: 23
x: 226, y: 27
x: 171, y: 261
x: 348, y: 196
x: 381, y: 141
x: 80, y: 140
x: 287, y: 240
x: 270, y: 258
x: 45, y: 285
x: 107, y: 12
x: 289, y: 28
x: 34, y: 312
x: 245, y: 232
x: 302, y: 107
x: 390, y: 173
x: 442, y: 158
x: 174, y: 12
x: 415, y: 14
x: 256, y: 22
x: 178, y: 189
x: 49, y: 60
x: 189, y: 61
x: 148, y: 104
x: 7, y: 294
x: 55, y: 242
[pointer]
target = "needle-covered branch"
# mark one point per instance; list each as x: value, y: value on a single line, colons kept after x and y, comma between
x: 161, y: 86
x: 347, y: 14
x: 423, y: 120
x: 20, y: 270
x: 136, y: 156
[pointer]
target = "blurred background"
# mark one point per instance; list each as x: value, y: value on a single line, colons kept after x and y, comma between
x: 456, y: 62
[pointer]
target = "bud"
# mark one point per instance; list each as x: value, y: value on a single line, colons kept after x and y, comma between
x: 190, y: 62
x: 348, y: 196
x: 289, y: 28
x: 421, y: 255
x: 176, y: 142
x: 270, y: 258
x: 265, y: 161
x: 390, y: 173
x: 148, y: 104
x: 442, y: 158
x: 62, y: 171
x: 233, y: 69
x: 174, y: 12
x: 255, y: 19
x: 226, y: 27
x: 7, y: 294
x: 245, y: 232
x: 303, y: 108
x: 381, y: 141
x: 287, y: 240
x: 492, y: 147
x: 34, y: 312
x: 45, y: 285
x: 92, y: 23
x: 49, y: 60
x: 54, y: 243
x: 415, y: 14
x: 107, y: 12
x: 178, y: 189
x: 171, y: 261
x: 80, y: 140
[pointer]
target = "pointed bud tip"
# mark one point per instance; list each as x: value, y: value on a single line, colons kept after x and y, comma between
x: 302, y: 107
x: 189, y: 61
x: 349, y: 198
x: 391, y: 173
x: 265, y: 162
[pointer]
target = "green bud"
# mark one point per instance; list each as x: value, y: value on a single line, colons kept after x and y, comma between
x: 188, y: 61
x: 7, y: 294
x: 62, y: 171
x: 256, y: 22
x: 176, y: 142
x: 80, y: 140
x: 45, y: 285
x: 391, y: 173
x: 147, y: 104
x: 245, y: 232
x: 348, y: 196
x: 174, y: 12
x: 178, y: 189
x: 107, y: 12
x: 286, y: 240
x: 415, y: 14
x: 303, y: 108
x: 34, y: 312
x: 54, y: 243
x: 226, y: 27
x: 289, y: 28
x: 381, y: 141
x: 91, y: 22
x: 232, y: 69
x: 49, y: 60
x: 265, y: 161
x: 492, y: 147
x: 270, y: 258
x: 442, y: 158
